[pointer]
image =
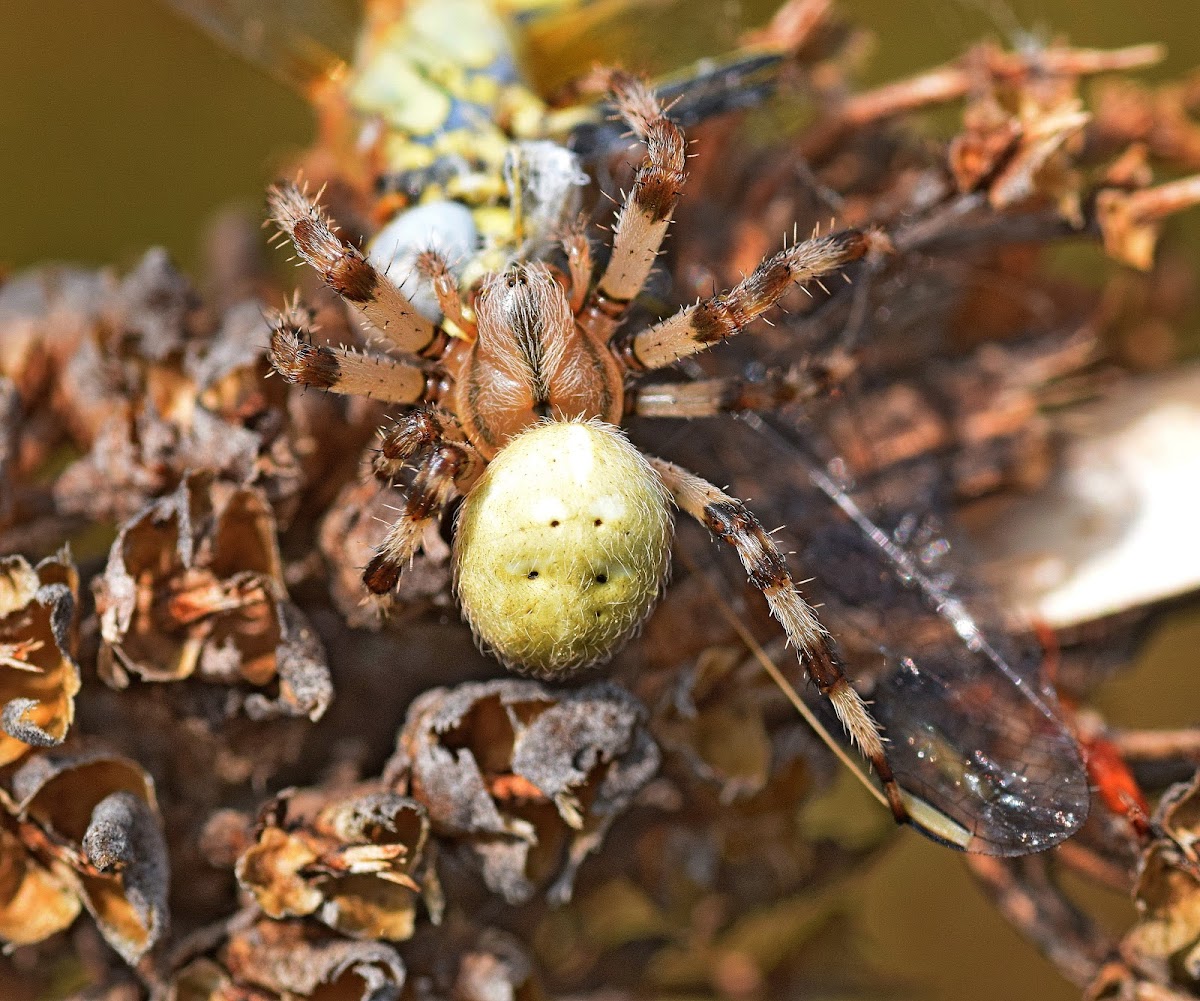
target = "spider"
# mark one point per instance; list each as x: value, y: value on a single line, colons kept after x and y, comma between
x: 562, y: 541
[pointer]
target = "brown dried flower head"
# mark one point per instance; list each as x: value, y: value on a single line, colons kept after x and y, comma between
x: 90, y: 819
x: 38, y: 674
x: 528, y: 778
x: 352, y: 859
x: 194, y: 586
x: 159, y: 384
x: 265, y: 960
x: 1164, y: 945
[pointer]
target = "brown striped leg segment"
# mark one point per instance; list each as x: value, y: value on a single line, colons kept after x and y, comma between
x: 643, y: 219
x: 341, y: 370
x: 696, y: 328
x: 728, y: 519
x: 706, y: 397
x: 411, y: 435
x: 344, y: 269
x: 443, y: 472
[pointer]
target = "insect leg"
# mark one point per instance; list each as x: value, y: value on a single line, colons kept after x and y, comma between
x: 696, y: 328
x: 345, y: 269
x: 342, y: 370
x: 729, y: 520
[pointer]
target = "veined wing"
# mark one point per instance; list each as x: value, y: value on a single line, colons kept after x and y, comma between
x: 974, y: 737
x: 296, y: 41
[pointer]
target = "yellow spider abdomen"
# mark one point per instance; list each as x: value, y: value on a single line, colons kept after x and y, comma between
x: 562, y: 547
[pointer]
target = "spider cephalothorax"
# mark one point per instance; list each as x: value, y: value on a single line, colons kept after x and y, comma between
x: 563, y: 538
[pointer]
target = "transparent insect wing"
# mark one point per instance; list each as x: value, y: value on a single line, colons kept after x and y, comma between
x: 973, y: 736
x: 296, y: 41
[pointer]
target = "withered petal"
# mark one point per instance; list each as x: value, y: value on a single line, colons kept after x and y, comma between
x: 584, y: 752
x: 270, y: 869
x: 208, y: 596
x: 19, y: 720
x: 349, y: 862
x: 18, y: 584
x: 34, y: 903
x: 370, y: 907
x: 601, y: 724
x: 244, y: 539
x: 365, y: 818
x: 38, y: 689
x: 305, y: 686
x: 294, y: 958
x: 128, y: 896
x: 61, y: 789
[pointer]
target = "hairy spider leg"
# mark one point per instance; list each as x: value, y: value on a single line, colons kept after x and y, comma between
x: 411, y: 435
x: 445, y: 469
x: 346, y: 270
x: 729, y: 520
x: 641, y: 226
x: 342, y: 370
x: 646, y: 212
x: 696, y: 328
x: 729, y: 394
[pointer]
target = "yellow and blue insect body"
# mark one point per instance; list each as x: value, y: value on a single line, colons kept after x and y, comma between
x: 432, y: 113
x: 460, y: 139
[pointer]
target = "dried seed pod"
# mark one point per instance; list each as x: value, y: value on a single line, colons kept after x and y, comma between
x: 131, y: 337
x: 44, y: 315
x: 1165, y: 943
x: 94, y: 817
x: 353, y: 859
x: 34, y: 901
x: 288, y: 960
x: 155, y: 308
x: 194, y: 585
x: 38, y: 674
x: 154, y: 384
x: 528, y: 777
x: 495, y: 967
x: 1162, y: 117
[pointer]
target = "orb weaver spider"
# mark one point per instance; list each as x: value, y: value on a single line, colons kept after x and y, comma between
x: 562, y: 542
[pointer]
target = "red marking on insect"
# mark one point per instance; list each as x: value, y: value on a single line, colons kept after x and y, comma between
x: 1109, y: 776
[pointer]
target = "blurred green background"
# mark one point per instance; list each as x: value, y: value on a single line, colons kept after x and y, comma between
x: 123, y: 127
